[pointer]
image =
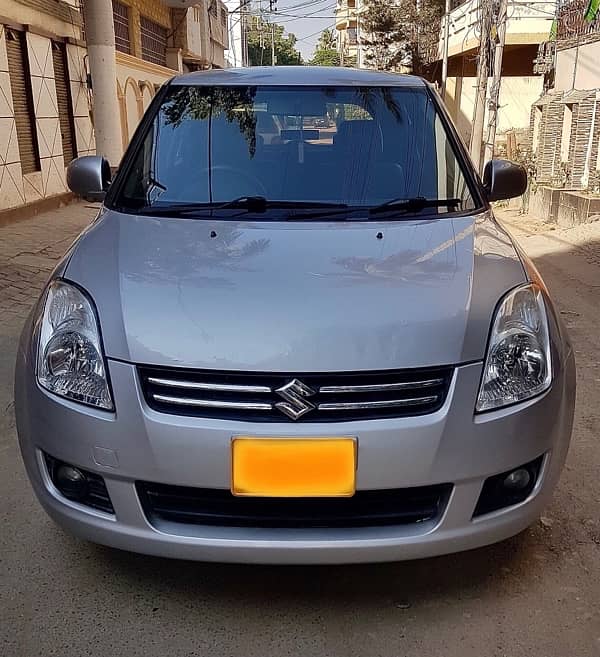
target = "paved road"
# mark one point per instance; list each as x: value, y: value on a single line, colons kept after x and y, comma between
x: 537, y: 594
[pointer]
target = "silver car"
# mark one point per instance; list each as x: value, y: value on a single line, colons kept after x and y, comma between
x: 315, y: 346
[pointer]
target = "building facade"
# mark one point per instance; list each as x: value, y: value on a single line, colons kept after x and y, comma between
x: 45, y: 117
x: 565, y: 123
x: 46, y: 98
x: 528, y: 25
x: 565, y: 127
x: 155, y: 41
x: 347, y: 26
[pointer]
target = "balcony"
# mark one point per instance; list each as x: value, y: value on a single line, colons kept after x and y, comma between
x: 345, y: 14
x: 573, y: 28
x: 528, y: 23
x: 201, y: 33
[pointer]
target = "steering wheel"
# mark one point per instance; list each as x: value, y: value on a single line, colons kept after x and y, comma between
x: 220, y: 175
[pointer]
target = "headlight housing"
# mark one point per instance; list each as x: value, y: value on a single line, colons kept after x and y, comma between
x: 70, y: 359
x: 518, y: 363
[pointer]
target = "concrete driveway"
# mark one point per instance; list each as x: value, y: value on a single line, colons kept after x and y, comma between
x: 537, y: 594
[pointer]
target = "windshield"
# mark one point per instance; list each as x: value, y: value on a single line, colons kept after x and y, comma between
x: 355, y: 147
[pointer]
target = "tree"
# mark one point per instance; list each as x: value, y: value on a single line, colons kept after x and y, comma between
x: 325, y: 51
x: 384, y: 34
x: 397, y: 32
x: 259, y: 45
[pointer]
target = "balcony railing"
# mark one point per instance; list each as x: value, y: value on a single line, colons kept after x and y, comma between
x: 572, y: 24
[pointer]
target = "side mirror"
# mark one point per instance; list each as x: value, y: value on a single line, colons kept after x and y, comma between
x: 89, y: 176
x: 503, y: 179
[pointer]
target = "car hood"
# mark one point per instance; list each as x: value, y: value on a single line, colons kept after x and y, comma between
x: 295, y: 296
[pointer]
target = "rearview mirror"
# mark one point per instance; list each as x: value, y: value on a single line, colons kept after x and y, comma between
x: 89, y: 176
x: 503, y: 179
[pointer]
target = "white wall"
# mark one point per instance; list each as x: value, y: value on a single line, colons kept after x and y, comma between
x: 588, y: 67
x: 517, y: 94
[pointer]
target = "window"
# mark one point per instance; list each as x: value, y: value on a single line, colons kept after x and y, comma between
x: 154, y: 41
x: 295, y: 144
x: 212, y: 8
x: 223, y: 16
x: 197, y: 14
x: 64, y: 103
x: 121, y: 21
x: 18, y: 68
x: 352, y: 36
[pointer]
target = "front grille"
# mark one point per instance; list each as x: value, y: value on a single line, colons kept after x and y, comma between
x: 335, y: 397
x: 365, y: 509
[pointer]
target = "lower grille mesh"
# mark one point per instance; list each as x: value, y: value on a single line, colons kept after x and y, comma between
x: 365, y: 509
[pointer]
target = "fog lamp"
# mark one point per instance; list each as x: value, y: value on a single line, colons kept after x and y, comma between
x: 71, y: 482
x: 517, y: 479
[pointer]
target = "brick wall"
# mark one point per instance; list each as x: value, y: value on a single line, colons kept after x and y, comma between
x: 581, y: 158
x: 550, y: 138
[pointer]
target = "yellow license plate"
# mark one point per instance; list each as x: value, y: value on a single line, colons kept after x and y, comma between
x: 292, y: 467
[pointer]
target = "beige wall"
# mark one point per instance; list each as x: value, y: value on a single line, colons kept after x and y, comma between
x: 136, y: 80
x: 15, y: 188
x: 588, y: 67
x: 517, y: 94
x: 19, y: 12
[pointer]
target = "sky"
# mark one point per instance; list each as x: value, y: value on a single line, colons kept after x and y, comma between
x: 306, y: 19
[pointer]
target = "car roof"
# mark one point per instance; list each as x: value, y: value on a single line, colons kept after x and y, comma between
x: 298, y: 75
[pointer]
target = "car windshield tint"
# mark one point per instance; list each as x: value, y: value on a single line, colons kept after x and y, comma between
x: 360, y: 147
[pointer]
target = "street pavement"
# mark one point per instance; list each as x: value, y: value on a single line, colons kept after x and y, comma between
x: 535, y: 595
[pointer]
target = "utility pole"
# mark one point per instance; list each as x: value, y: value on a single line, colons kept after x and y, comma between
x: 446, y: 48
x: 273, y: 59
x: 493, y: 104
x: 483, y: 72
x: 100, y: 37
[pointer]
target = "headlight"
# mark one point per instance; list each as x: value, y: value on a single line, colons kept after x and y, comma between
x: 518, y: 364
x: 70, y: 361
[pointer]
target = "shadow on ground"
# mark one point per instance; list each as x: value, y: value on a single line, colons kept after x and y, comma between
x: 400, y: 582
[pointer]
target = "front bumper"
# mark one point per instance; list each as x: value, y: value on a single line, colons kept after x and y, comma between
x: 136, y: 443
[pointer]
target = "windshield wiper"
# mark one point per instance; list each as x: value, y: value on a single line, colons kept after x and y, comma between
x: 414, y: 204
x: 394, y: 205
x: 261, y: 204
x: 258, y: 204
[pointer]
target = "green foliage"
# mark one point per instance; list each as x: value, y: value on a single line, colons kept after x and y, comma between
x: 381, y: 21
x: 259, y: 45
x: 329, y: 57
x: 396, y: 33
x: 325, y: 52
